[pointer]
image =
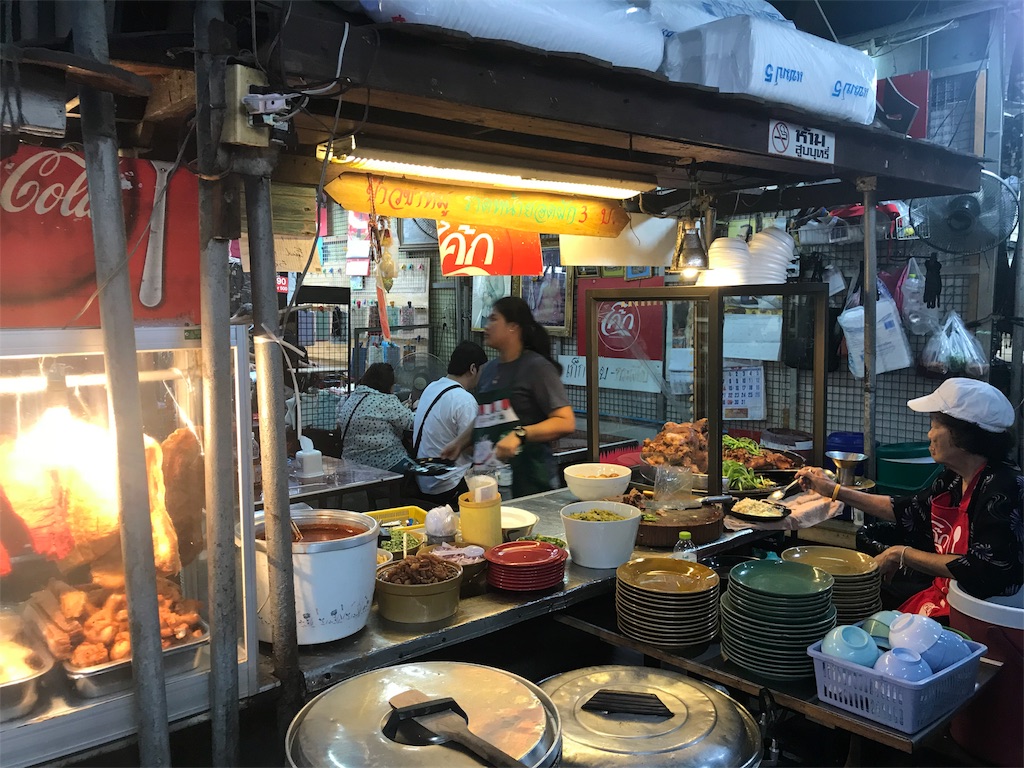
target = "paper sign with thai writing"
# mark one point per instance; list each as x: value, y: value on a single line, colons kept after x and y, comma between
x: 472, y: 249
x: 524, y: 211
x: 801, y: 142
x: 613, y: 373
x: 47, y: 268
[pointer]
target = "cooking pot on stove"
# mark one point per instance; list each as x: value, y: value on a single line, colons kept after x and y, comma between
x: 354, y: 723
x: 631, y: 716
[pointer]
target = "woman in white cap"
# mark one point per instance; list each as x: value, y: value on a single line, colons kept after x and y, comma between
x: 969, y: 525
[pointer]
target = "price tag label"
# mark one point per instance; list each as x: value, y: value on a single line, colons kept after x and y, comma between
x: 282, y: 283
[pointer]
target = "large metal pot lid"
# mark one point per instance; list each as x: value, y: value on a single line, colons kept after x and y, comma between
x: 700, y: 727
x: 344, y: 725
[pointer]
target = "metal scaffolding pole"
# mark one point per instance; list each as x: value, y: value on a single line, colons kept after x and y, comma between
x: 217, y: 390
x: 867, y: 186
x: 273, y: 450
x: 118, y: 329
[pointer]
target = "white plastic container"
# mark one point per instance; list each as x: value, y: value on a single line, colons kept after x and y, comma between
x: 334, y: 579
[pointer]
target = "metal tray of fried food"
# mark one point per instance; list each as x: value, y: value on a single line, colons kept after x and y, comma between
x: 19, y: 695
x: 116, y: 676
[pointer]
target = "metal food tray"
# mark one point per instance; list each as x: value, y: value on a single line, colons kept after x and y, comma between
x: 116, y: 676
x: 18, y: 697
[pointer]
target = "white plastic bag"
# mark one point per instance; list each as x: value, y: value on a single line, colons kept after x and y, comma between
x: 892, y: 350
x: 954, y: 351
x: 918, y: 317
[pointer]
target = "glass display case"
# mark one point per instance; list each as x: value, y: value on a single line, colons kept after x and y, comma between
x: 62, y: 578
x: 671, y: 366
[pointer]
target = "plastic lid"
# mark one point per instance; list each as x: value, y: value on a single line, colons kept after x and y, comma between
x: 685, y: 536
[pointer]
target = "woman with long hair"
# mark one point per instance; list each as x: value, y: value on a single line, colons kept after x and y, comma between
x: 968, y: 525
x: 523, y: 405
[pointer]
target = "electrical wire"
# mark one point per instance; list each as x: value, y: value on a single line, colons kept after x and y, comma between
x: 827, y: 23
x: 158, y: 197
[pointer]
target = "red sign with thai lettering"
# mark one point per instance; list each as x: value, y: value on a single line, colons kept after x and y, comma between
x: 634, y: 330
x: 47, y: 267
x: 472, y: 249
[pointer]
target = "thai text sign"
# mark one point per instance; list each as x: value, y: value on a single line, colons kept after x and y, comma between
x: 613, y: 373
x: 468, y: 250
x: 47, y: 268
x: 524, y: 211
x: 801, y: 142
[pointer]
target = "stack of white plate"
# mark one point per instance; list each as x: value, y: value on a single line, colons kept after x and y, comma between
x: 663, y: 601
x: 772, y: 612
x: 771, y: 251
x: 856, y: 593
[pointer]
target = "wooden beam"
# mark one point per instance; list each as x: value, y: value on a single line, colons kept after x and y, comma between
x: 173, y: 96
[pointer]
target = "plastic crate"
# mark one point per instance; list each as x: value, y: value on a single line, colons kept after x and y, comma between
x: 401, y: 513
x: 898, y: 704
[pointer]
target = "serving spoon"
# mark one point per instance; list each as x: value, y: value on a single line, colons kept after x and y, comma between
x: 785, y: 493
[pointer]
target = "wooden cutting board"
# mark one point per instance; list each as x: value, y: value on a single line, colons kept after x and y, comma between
x: 704, y: 525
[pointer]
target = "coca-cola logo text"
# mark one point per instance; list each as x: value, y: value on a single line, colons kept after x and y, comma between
x: 33, y: 186
x: 619, y: 324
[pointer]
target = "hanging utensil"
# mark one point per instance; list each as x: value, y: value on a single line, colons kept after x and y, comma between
x: 151, y: 291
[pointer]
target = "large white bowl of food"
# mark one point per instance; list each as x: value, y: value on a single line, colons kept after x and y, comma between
x: 600, y: 534
x: 592, y: 481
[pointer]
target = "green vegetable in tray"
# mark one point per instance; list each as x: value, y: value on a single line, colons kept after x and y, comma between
x: 732, y: 443
x: 395, y: 544
x: 743, y: 479
x: 547, y: 539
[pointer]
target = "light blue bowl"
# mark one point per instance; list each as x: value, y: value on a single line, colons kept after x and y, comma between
x: 886, y: 617
x: 947, y: 650
x: 903, y: 664
x: 914, y: 631
x: 851, y: 644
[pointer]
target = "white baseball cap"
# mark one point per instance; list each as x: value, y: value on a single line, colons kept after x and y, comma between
x: 969, y: 400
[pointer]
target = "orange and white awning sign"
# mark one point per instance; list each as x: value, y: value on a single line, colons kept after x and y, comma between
x: 468, y: 250
x: 524, y: 211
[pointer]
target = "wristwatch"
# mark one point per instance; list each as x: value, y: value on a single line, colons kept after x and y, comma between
x: 520, y: 432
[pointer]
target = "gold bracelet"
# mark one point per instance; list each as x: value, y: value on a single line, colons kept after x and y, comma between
x: 902, y: 553
x: 835, y: 491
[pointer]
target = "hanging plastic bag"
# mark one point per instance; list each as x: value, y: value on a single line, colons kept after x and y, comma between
x: 892, y: 350
x: 918, y: 317
x: 953, y: 351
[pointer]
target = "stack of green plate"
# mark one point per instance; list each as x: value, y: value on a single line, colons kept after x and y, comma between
x: 772, y: 612
x: 856, y: 593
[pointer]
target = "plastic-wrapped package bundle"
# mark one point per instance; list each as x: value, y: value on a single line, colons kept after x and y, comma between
x: 615, y: 31
x: 778, y: 63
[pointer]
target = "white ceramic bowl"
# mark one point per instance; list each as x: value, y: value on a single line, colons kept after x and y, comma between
x: 913, y: 631
x: 584, y: 482
x: 851, y: 644
x: 601, y: 544
x: 903, y: 664
x: 383, y: 556
x: 516, y: 523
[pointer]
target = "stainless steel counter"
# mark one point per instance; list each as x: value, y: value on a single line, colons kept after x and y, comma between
x: 340, y: 476
x: 382, y: 642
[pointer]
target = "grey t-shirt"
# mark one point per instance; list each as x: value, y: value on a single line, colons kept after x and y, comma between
x: 533, y: 382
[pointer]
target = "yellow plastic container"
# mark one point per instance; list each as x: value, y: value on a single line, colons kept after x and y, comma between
x: 401, y: 513
x: 480, y: 521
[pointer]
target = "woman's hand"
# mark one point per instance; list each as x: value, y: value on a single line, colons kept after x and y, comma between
x: 889, y: 561
x: 508, y: 446
x: 815, y: 479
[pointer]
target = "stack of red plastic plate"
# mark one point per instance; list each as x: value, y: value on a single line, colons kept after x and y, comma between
x: 525, y: 566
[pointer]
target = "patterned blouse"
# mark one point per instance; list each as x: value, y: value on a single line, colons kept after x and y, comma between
x: 374, y: 436
x: 994, y: 563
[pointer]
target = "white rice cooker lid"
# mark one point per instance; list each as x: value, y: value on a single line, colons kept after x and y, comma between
x: 345, y: 725
x: 701, y: 727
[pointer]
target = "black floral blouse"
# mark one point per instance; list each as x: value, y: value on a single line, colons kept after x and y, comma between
x: 994, y: 563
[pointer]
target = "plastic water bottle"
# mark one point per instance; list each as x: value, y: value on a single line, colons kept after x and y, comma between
x: 685, y: 549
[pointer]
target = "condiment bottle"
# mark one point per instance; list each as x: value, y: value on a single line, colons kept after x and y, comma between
x: 685, y: 549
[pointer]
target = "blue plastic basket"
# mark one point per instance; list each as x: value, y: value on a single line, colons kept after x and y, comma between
x: 899, y: 704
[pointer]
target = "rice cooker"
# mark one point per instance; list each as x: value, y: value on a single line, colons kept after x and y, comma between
x: 628, y: 716
x: 353, y: 722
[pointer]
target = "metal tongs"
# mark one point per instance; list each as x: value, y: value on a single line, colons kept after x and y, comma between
x: 296, y: 531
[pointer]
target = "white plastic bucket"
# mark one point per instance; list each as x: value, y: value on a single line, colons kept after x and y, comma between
x: 334, y: 579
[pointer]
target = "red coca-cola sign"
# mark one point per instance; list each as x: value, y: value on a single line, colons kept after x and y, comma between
x: 47, y: 266
x: 472, y: 249
x: 625, y: 329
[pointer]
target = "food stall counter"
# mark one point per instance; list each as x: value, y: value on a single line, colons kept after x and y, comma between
x: 383, y: 642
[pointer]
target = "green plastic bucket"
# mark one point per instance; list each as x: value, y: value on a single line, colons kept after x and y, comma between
x: 906, y: 467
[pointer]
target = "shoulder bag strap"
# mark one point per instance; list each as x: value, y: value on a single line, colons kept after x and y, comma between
x: 344, y: 432
x: 419, y: 437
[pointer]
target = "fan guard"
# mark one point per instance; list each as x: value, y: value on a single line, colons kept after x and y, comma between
x: 418, y: 369
x: 970, y: 222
